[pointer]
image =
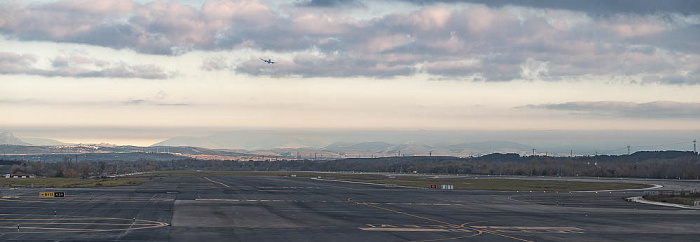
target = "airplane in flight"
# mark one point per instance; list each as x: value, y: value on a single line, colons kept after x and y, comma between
x: 268, y: 61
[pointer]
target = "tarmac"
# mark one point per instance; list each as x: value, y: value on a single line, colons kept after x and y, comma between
x: 219, y: 208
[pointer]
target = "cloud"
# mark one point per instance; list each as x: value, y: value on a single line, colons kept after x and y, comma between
x: 498, y: 40
x: 160, y: 99
x: 215, y: 64
x: 653, y: 110
x: 129, y: 102
x: 591, y: 7
x: 157, y: 27
x: 19, y: 101
x: 306, y: 65
x: 11, y: 63
x: 134, y: 102
x: 144, y: 102
x: 329, y: 3
x: 77, y: 67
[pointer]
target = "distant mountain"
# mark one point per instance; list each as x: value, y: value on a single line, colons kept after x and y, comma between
x: 410, y: 150
x: 43, y: 141
x: 422, y: 149
x: 190, y: 141
x: 250, y: 140
x: 376, y: 147
x: 346, y: 143
x: 7, y: 138
x: 489, y: 147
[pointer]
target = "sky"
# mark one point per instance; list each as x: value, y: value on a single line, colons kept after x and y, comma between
x: 137, y: 72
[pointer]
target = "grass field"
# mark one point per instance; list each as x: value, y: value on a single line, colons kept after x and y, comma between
x: 59, y: 182
x: 688, y: 200
x: 425, y: 181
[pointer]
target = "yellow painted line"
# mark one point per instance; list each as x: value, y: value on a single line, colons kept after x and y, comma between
x: 414, y: 229
x: 505, y: 236
x: 472, y: 222
x: 531, y: 229
x: 110, y: 224
x: 73, y: 218
x: 72, y: 200
x: 58, y: 224
x: 438, y: 221
x: 453, y: 238
x: 527, y: 228
x: 407, y: 214
x: 21, y: 200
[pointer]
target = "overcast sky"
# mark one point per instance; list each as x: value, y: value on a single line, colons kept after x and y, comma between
x: 412, y: 64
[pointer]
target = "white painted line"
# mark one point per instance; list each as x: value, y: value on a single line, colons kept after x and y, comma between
x: 366, y: 183
x: 217, y: 199
x: 216, y: 182
x: 655, y: 186
x: 642, y: 200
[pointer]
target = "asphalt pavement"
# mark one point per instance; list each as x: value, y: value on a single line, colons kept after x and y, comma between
x: 219, y: 208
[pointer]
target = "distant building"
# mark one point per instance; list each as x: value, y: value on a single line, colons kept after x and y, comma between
x: 20, y: 176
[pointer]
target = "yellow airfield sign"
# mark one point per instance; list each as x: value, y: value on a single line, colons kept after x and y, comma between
x: 52, y: 194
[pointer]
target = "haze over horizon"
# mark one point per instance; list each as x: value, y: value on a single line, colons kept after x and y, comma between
x: 537, y: 72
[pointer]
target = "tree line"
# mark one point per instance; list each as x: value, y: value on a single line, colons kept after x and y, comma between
x: 661, y: 164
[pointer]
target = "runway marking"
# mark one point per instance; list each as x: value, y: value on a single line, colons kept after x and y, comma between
x: 21, y: 200
x: 265, y: 188
x: 423, y: 228
x: 220, y: 183
x: 218, y: 200
x: 256, y: 200
x: 419, y: 204
x: 528, y: 229
x: 89, y: 199
x: 480, y: 231
x: 452, y: 238
x: 8, y: 224
x: 413, y: 228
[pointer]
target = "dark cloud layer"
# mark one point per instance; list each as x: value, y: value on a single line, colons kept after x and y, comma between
x: 544, y: 40
x: 329, y: 3
x: 593, y: 7
x: 656, y: 110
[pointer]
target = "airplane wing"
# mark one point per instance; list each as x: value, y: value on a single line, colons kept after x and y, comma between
x: 269, y: 61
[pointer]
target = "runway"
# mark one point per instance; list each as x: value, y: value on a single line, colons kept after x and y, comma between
x: 217, y: 208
